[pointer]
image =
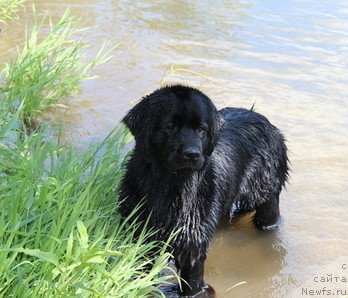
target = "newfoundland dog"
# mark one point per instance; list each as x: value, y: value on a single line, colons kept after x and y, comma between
x: 193, y: 165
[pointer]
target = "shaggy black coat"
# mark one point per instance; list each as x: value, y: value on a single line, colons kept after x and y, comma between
x: 193, y: 165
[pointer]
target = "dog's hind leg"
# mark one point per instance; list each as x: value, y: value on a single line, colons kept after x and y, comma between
x: 267, y: 213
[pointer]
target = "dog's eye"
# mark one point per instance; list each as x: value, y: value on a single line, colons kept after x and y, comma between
x: 169, y: 126
x: 201, y: 129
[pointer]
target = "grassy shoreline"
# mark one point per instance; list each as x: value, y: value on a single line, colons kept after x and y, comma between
x: 60, y: 233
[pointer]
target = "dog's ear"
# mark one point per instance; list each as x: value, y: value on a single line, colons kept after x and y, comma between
x: 214, y: 133
x: 136, y: 118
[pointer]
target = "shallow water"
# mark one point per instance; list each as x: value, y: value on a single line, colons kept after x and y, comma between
x: 290, y: 58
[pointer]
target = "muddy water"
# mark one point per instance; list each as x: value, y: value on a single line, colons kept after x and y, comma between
x: 290, y: 58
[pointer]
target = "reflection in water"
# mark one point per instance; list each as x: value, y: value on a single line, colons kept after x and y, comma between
x: 290, y: 57
x: 241, y: 250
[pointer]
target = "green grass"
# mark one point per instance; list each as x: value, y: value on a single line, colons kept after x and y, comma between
x: 8, y: 10
x: 60, y: 233
x: 48, y: 68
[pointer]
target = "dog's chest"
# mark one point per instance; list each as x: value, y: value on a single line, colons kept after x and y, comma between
x: 188, y: 211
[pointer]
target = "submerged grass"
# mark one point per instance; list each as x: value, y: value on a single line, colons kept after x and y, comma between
x: 60, y: 233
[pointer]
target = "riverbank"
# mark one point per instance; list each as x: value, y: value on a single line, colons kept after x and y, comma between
x: 60, y: 233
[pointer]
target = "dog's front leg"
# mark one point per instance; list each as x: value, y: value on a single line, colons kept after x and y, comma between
x: 192, y: 274
x: 191, y: 267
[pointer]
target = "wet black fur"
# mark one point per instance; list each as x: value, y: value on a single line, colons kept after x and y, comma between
x: 242, y: 167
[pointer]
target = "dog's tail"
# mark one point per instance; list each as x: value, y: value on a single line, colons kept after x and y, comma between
x: 252, y: 108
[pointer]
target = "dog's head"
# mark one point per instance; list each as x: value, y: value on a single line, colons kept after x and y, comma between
x: 175, y: 126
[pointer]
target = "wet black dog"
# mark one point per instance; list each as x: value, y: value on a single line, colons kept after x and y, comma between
x: 194, y: 165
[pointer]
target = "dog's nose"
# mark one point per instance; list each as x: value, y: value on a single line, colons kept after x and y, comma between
x: 192, y: 153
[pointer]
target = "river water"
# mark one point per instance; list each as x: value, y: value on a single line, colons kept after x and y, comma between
x: 290, y: 58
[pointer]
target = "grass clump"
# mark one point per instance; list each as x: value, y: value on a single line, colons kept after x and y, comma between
x: 8, y: 10
x: 60, y: 233
x: 48, y: 68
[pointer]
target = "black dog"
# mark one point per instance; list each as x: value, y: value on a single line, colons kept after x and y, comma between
x: 194, y: 165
